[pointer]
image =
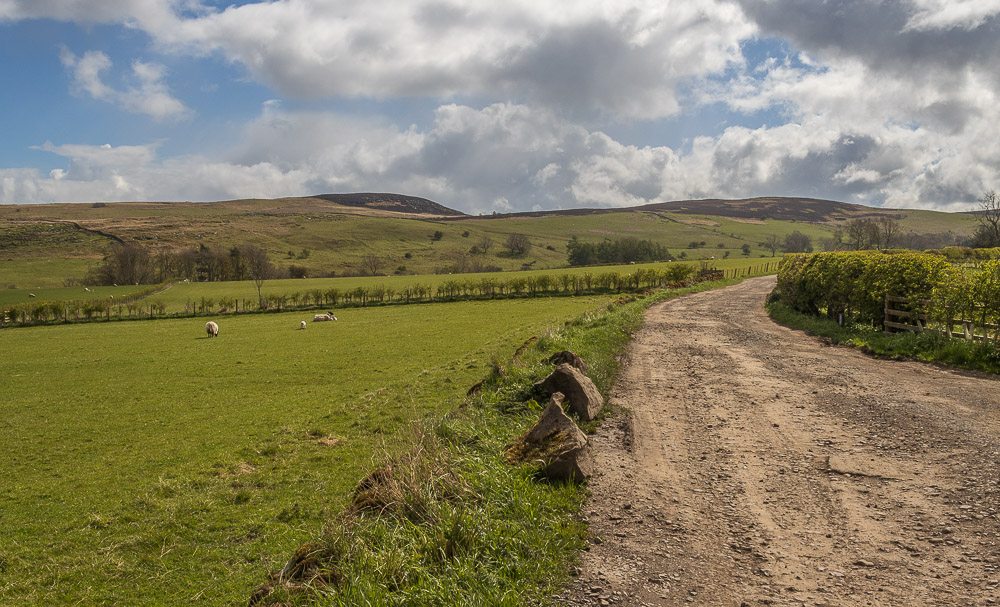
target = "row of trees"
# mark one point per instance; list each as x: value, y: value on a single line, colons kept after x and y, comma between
x: 621, y: 250
x: 132, y: 263
x: 485, y: 287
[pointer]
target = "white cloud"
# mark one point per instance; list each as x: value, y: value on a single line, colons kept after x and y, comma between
x: 948, y: 14
x: 621, y: 59
x: 149, y: 95
x: 148, y: 14
x: 874, y: 102
x: 514, y: 157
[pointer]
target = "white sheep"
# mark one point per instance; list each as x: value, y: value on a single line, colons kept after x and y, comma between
x: 323, y: 317
x: 212, y: 329
x: 302, y: 325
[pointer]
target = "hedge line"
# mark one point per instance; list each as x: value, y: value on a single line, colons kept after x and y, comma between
x: 487, y: 287
x: 854, y: 284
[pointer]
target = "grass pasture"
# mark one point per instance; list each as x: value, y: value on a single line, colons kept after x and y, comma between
x: 179, y: 295
x: 148, y: 464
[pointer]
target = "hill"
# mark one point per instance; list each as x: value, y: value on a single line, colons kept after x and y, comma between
x: 336, y: 234
x: 811, y: 210
x: 390, y: 202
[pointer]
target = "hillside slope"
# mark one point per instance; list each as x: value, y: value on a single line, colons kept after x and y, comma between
x: 42, y: 245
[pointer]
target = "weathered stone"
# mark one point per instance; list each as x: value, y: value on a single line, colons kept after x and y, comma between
x: 584, y: 399
x: 570, y: 358
x: 556, y: 443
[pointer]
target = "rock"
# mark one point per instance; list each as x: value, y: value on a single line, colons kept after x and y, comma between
x: 557, y: 443
x: 569, y: 358
x: 584, y: 399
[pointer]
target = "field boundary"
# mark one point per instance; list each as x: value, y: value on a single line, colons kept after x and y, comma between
x: 472, y: 289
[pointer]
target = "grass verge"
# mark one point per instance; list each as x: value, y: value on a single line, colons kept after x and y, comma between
x: 442, y: 519
x: 928, y: 347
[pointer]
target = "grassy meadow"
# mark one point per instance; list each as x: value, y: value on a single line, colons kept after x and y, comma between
x: 182, y: 296
x: 148, y: 464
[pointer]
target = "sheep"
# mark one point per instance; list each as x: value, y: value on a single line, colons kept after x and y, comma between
x: 302, y: 325
x: 212, y: 329
x: 323, y: 317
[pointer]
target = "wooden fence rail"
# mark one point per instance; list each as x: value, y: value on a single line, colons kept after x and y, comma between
x: 918, y: 321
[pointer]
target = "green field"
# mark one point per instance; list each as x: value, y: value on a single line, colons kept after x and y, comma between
x: 145, y: 463
x: 180, y: 296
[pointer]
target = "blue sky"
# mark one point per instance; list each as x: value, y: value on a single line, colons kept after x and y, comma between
x: 519, y: 106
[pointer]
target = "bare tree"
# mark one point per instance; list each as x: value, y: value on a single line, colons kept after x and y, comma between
x: 988, y: 216
x: 862, y: 233
x: 772, y: 243
x: 123, y: 264
x: 888, y: 230
x: 371, y: 263
x: 258, y: 267
x: 485, y: 244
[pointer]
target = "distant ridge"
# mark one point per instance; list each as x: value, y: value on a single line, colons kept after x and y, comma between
x: 812, y: 210
x: 390, y: 202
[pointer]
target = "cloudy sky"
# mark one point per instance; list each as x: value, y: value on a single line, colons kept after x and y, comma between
x: 514, y: 105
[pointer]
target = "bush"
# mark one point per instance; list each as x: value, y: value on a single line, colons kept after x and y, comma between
x: 856, y: 283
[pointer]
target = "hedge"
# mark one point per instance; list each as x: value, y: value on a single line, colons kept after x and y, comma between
x: 854, y: 284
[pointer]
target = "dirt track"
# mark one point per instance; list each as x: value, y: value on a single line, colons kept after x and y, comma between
x: 759, y: 466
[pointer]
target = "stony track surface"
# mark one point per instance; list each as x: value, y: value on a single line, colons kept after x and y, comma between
x: 757, y: 465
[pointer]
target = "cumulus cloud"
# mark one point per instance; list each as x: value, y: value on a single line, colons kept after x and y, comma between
x: 511, y: 157
x: 948, y: 14
x: 889, y: 103
x: 147, y: 95
x: 626, y: 59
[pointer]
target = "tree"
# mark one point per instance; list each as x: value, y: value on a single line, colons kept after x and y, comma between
x: 436, y: 236
x: 797, y: 242
x: 988, y: 217
x: 123, y: 264
x: 888, y: 230
x: 485, y: 244
x: 517, y: 244
x: 258, y: 267
x: 371, y: 263
x: 745, y: 249
x: 772, y: 243
x: 861, y: 233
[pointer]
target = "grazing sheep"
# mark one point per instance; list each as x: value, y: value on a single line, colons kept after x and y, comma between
x: 302, y: 325
x: 212, y: 329
x: 323, y: 317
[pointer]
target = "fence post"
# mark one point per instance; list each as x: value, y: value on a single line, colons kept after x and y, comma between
x: 885, y: 315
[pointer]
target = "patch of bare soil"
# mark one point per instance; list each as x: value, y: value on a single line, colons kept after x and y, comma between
x: 758, y: 466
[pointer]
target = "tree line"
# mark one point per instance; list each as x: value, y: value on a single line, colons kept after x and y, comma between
x: 618, y: 251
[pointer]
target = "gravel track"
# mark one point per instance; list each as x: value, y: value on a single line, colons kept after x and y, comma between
x: 757, y: 465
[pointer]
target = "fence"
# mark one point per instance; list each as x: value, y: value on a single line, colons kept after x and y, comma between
x: 920, y: 321
x: 767, y: 268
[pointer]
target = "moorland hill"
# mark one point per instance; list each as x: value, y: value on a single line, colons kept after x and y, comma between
x: 338, y: 234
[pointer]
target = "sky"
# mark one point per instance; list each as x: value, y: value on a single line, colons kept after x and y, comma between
x: 501, y: 106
